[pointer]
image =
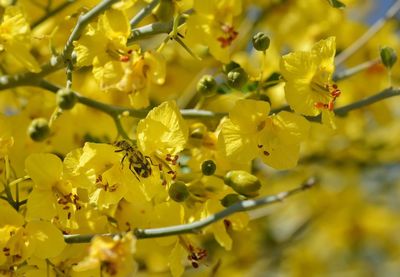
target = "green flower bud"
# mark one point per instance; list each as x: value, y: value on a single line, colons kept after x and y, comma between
x: 243, y: 182
x: 231, y: 199
x: 226, y: 68
x: 237, y: 78
x: 66, y: 99
x: 178, y: 191
x: 207, y: 85
x: 208, y: 167
x: 388, y: 56
x: 261, y: 41
x: 39, y: 129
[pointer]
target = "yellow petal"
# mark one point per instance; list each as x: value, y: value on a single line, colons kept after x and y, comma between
x: 163, y: 129
x: 249, y: 114
x: 22, y: 54
x: 47, y: 239
x: 175, y: 260
x: 41, y: 205
x: 44, y: 169
x: 325, y: 50
x: 233, y: 144
x: 115, y: 24
x: 9, y: 216
x: 294, y: 128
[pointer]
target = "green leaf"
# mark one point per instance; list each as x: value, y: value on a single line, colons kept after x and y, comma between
x: 336, y: 4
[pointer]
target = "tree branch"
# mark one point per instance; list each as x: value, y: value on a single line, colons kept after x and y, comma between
x: 83, y: 21
x: 155, y: 28
x: 143, y: 13
x: 344, y: 74
x: 387, y: 93
x: 195, y: 227
x: 30, y: 78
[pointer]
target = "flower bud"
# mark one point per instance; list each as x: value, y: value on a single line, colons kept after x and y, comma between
x: 207, y: 85
x: 237, y: 78
x: 243, y: 182
x: 226, y: 68
x: 261, y: 41
x: 231, y: 199
x: 66, y: 99
x: 208, y: 167
x: 197, y: 130
x: 388, y: 56
x: 178, y: 191
x: 39, y: 129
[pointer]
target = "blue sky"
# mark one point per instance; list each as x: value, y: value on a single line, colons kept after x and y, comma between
x: 380, y: 6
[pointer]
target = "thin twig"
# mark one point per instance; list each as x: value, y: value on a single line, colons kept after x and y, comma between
x: 143, y: 13
x: 361, y: 41
x: 387, y: 93
x: 155, y: 28
x: 195, y: 227
x: 83, y: 21
x: 30, y: 78
x: 344, y: 74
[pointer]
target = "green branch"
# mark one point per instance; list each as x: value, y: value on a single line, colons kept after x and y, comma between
x: 30, y: 78
x: 344, y: 74
x: 83, y: 21
x: 196, y: 226
x: 387, y: 93
x: 150, y: 30
x: 116, y: 111
x: 155, y: 28
x: 143, y: 13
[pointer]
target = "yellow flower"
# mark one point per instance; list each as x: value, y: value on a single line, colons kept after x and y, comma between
x: 250, y: 132
x: 212, y: 25
x: 39, y: 239
x: 109, y: 257
x: 103, y: 46
x: 309, y: 88
x: 52, y: 197
x: 161, y: 136
x: 97, y: 168
x: 15, y: 38
x: 142, y: 71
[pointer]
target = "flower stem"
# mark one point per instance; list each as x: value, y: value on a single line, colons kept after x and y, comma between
x: 83, y: 21
x: 344, y: 74
x: 143, y: 13
x: 196, y: 226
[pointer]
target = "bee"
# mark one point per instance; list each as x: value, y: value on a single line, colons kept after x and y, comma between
x: 139, y: 164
